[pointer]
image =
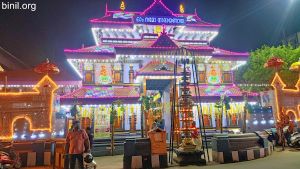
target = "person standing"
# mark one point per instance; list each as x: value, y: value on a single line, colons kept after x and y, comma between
x: 196, y: 138
x: 77, y: 143
x: 90, y: 135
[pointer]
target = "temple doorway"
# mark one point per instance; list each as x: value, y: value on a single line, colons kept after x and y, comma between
x: 21, y: 129
x: 160, y: 90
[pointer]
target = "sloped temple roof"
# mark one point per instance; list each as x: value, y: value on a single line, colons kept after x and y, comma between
x: 130, y: 94
x: 157, y: 8
x: 93, y: 95
x: 150, y: 47
x: 156, y: 68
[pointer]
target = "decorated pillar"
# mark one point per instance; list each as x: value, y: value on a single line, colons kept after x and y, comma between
x: 167, y: 110
x: 131, y: 74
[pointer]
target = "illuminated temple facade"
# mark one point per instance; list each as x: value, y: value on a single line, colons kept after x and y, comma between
x: 135, y: 53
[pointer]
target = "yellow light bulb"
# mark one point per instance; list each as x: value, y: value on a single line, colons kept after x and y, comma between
x: 181, y: 8
x: 122, y: 6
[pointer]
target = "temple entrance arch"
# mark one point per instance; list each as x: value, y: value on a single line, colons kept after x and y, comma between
x: 159, y: 87
x: 21, y: 128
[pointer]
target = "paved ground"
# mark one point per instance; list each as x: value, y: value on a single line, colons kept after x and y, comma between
x: 278, y: 160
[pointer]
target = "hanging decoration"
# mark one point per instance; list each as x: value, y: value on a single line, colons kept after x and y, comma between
x: 101, y: 122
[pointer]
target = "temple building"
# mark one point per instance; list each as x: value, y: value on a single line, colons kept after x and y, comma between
x: 135, y: 54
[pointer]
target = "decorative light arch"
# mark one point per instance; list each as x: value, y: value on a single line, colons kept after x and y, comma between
x: 45, y: 81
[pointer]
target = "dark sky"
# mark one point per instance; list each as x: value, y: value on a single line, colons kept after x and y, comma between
x: 59, y: 24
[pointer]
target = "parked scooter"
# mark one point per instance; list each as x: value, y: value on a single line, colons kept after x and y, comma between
x: 295, y: 140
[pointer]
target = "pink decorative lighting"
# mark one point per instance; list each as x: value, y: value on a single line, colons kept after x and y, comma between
x: 86, y: 51
x: 106, y: 9
x: 109, y: 22
x: 204, y: 25
x: 216, y: 90
x: 89, y: 92
x: 154, y: 3
x: 218, y: 51
x: 108, y: 14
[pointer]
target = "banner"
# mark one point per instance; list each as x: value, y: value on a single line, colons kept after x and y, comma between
x: 101, y: 122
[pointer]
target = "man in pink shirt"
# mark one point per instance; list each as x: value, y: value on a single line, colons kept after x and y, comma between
x: 77, y: 144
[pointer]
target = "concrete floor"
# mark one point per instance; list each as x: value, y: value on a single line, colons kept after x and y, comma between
x: 288, y: 159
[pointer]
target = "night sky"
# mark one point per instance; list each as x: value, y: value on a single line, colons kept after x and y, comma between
x: 59, y: 24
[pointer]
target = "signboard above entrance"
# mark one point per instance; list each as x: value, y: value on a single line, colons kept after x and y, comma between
x: 160, y: 20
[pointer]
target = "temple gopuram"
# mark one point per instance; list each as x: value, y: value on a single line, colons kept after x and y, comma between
x: 134, y: 55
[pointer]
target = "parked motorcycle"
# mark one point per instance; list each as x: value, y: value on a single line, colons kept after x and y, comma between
x: 9, y: 159
x: 295, y: 140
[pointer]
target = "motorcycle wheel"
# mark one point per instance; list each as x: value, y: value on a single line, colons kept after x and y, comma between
x: 298, y: 144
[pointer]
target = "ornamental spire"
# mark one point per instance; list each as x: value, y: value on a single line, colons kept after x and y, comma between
x: 181, y: 8
x: 122, y: 5
x: 106, y: 8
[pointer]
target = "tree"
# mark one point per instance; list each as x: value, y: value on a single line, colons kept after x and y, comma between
x: 255, y: 73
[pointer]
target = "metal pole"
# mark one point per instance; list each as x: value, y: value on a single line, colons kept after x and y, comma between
x: 112, y: 128
x: 245, y: 114
x: 53, y: 152
x: 142, y: 120
x: 222, y: 104
x: 198, y: 110
x: 112, y: 139
x: 199, y: 98
x: 5, y: 84
x: 172, y: 115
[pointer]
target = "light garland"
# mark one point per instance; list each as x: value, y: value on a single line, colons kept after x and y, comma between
x: 95, y: 32
x: 285, y: 91
x: 37, y: 93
